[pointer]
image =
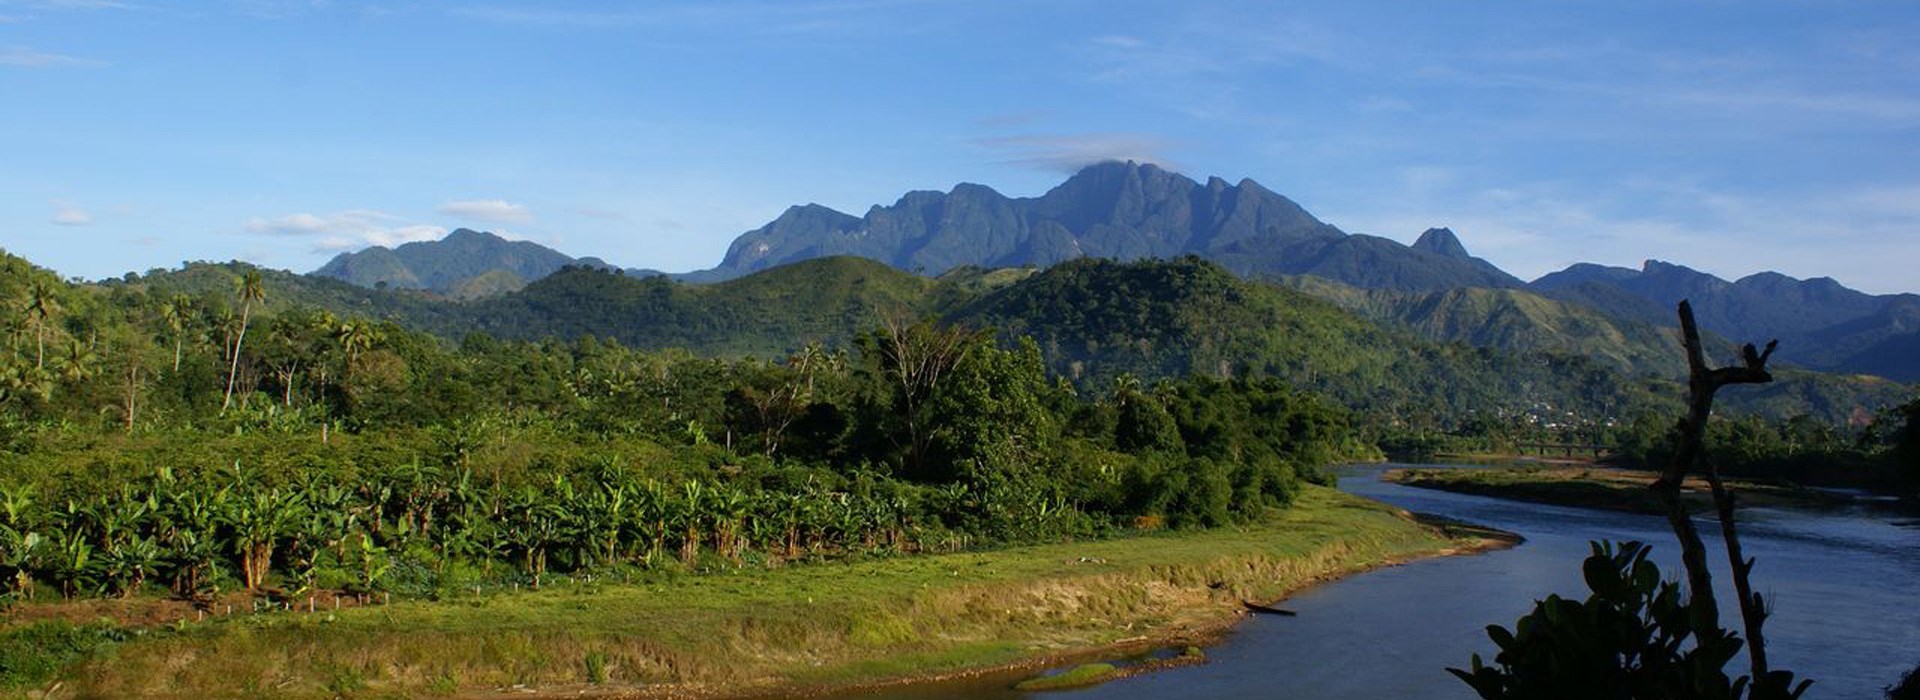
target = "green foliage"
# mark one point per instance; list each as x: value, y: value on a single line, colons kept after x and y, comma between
x: 1635, y: 636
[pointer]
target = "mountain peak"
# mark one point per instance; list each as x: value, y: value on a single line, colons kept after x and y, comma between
x: 1441, y: 241
x: 463, y: 235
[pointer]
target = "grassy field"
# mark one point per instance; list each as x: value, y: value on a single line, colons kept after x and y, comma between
x: 748, y: 631
x: 1596, y: 487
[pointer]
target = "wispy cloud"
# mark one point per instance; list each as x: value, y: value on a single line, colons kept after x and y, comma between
x: 495, y: 211
x: 1071, y: 152
x: 343, y: 230
x: 24, y: 57
x: 70, y: 214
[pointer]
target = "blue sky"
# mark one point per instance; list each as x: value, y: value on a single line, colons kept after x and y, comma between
x: 1729, y: 136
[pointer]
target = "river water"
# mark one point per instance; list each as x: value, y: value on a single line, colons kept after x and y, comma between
x: 1844, y: 586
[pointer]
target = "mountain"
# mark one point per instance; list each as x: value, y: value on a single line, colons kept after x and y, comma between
x: 464, y: 264
x: 1120, y: 211
x: 1820, y: 323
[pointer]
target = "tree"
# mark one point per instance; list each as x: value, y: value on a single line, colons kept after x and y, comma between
x: 913, y: 358
x: 1702, y: 383
x: 41, y: 306
x: 176, y: 313
x: 250, y: 291
x: 355, y: 336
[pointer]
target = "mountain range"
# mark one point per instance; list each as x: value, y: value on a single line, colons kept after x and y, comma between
x: 1129, y: 211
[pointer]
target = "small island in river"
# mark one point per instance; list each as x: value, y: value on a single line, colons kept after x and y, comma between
x: 1589, y: 486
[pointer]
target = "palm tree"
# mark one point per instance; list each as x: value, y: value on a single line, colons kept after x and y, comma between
x: 175, y: 313
x: 41, y: 306
x: 355, y: 336
x: 250, y: 292
x: 77, y: 364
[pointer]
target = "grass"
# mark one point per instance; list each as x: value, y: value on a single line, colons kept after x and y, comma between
x: 1076, y: 677
x: 33, y: 655
x: 819, y: 626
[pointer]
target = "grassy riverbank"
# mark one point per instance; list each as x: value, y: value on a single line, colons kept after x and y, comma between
x: 788, y: 629
x: 1598, y: 487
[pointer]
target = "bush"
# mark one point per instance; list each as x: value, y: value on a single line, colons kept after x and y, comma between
x: 1634, y: 637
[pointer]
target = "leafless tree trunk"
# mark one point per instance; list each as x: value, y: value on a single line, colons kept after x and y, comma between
x: 1702, y: 383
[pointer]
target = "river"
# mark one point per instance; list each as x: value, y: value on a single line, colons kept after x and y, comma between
x: 1844, y: 586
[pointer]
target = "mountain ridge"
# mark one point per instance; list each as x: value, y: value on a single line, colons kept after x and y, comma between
x: 1116, y: 210
x: 1131, y: 211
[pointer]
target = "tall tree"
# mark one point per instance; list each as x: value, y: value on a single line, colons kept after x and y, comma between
x: 250, y: 291
x: 41, y: 307
x: 175, y: 313
x: 913, y: 358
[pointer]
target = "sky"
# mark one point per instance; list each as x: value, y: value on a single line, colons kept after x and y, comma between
x: 1732, y: 137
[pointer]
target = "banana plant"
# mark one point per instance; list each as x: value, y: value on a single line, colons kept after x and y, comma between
x: 126, y: 564
x: 19, y: 551
x: 258, y: 520
x: 535, y: 523
x: 69, y: 562
x: 371, y: 563
x: 689, y: 516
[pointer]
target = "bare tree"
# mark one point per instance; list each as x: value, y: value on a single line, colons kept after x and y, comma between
x: 1689, y: 457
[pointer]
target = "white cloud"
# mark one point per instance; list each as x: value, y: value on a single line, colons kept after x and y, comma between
x: 343, y: 230
x: 70, y: 214
x: 1071, y: 152
x: 23, y: 57
x: 494, y: 211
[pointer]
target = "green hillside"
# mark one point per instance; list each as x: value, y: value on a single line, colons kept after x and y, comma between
x: 1418, y: 359
x: 1510, y: 319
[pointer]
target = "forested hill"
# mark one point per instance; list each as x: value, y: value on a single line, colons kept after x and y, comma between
x: 1095, y: 320
x: 1511, y: 319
